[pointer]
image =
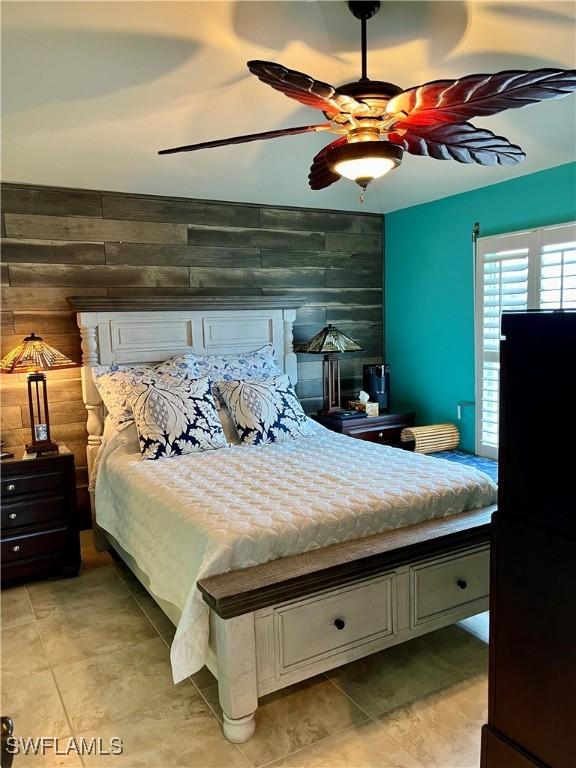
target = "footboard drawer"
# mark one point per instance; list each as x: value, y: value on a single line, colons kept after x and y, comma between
x: 329, y: 624
x: 448, y: 585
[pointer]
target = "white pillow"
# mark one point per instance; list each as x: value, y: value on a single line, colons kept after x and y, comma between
x: 265, y: 410
x: 175, y: 416
x: 245, y: 365
x: 115, y: 384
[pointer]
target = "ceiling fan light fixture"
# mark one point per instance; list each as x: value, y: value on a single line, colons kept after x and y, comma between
x: 364, y: 161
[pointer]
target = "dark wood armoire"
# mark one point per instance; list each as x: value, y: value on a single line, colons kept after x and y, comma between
x: 532, y: 688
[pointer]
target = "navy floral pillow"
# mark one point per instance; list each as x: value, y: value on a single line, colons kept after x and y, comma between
x: 175, y: 416
x: 243, y: 365
x: 265, y: 410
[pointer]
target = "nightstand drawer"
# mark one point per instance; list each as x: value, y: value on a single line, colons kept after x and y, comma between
x: 383, y: 435
x: 33, y: 545
x: 34, y: 512
x: 41, y: 481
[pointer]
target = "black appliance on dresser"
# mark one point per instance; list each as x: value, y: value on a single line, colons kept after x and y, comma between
x: 532, y: 682
x: 376, y: 382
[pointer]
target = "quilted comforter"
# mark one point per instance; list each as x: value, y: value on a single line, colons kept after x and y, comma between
x: 193, y: 516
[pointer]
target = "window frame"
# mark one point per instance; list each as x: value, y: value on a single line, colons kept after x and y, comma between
x: 533, y: 240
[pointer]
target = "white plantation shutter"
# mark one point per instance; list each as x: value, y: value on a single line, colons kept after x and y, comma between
x: 523, y: 270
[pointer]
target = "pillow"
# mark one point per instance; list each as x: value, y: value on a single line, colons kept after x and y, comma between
x: 175, y: 416
x: 246, y: 365
x: 265, y: 410
x: 115, y: 384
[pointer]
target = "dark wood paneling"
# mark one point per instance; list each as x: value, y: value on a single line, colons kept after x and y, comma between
x: 256, y: 238
x: 355, y: 278
x: 350, y: 314
x: 51, y: 202
x: 321, y: 221
x: 316, y: 315
x: 85, y: 228
x: 179, y: 210
x: 214, y: 291
x: 52, y: 252
x: 340, y: 259
x: 50, y: 322
x: 38, y: 297
x: 106, y: 275
x: 259, y: 278
x: 338, y: 241
x: 358, y: 297
x: 146, y: 254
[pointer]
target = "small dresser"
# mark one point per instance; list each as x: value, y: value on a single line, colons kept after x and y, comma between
x: 39, y: 534
x: 384, y: 429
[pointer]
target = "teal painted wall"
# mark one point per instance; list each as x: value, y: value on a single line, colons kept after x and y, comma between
x: 429, y: 286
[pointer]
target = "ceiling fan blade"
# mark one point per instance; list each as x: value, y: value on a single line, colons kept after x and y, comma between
x: 248, y: 137
x: 303, y: 88
x: 453, y: 101
x: 461, y: 142
x: 320, y: 175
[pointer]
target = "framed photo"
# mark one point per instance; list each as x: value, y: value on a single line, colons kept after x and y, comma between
x: 40, y: 432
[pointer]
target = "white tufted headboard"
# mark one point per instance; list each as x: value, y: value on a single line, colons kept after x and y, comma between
x: 151, y: 329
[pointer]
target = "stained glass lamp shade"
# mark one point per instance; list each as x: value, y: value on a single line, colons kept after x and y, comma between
x: 328, y: 342
x: 33, y: 356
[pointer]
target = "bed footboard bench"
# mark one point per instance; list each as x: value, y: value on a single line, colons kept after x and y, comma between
x: 281, y: 622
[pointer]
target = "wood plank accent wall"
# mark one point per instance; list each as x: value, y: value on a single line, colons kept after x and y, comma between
x: 62, y: 242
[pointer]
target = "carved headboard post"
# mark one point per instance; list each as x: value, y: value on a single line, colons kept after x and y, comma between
x: 88, y: 324
x: 290, y: 359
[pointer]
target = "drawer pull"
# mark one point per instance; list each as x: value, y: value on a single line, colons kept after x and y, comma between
x: 12, y: 516
x: 16, y: 548
x: 380, y: 434
x: 462, y: 583
x: 339, y: 623
x: 11, y: 487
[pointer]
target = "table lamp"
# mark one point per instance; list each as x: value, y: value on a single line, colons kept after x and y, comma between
x: 33, y: 356
x: 329, y: 342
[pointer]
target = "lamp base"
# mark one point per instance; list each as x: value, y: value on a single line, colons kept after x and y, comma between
x: 42, y: 446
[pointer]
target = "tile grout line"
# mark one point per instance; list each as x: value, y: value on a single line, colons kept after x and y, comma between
x: 51, y: 668
x: 373, y: 718
x: 298, y: 751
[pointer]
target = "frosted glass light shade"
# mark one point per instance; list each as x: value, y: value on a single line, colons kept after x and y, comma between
x: 364, y: 168
x: 363, y: 161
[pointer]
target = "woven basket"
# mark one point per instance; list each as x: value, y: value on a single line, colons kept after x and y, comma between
x: 436, y: 437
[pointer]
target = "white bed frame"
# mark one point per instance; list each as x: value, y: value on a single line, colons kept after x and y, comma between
x: 283, y: 622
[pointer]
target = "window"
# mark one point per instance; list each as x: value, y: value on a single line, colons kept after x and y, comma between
x: 522, y: 270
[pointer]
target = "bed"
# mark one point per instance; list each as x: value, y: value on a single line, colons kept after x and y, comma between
x: 276, y: 562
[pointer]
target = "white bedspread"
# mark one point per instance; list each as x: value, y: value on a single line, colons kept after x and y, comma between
x: 193, y: 516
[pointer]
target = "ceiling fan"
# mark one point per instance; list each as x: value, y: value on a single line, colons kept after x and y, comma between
x: 378, y: 121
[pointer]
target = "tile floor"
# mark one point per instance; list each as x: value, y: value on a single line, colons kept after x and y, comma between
x: 90, y: 657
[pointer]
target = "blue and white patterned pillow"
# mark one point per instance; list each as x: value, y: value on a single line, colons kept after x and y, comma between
x: 245, y: 365
x: 265, y: 410
x: 115, y: 384
x: 175, y: 416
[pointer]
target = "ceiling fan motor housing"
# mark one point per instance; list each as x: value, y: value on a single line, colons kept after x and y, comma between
x: 363, y: 9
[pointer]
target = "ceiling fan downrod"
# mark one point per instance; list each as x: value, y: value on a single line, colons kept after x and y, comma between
x: 364, y: 10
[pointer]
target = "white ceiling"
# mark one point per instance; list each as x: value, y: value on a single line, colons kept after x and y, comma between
x: 92, y: 89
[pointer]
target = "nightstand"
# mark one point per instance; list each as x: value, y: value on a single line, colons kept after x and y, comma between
x: 384, y: 429
x: 39, y: 534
